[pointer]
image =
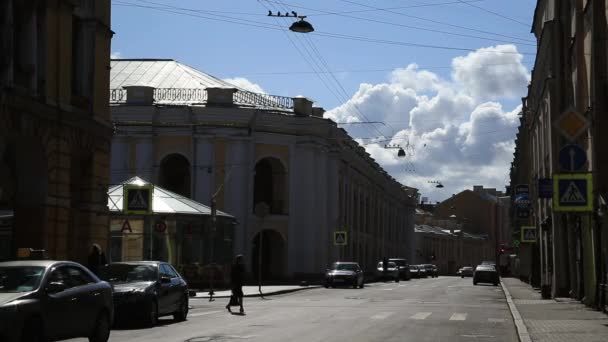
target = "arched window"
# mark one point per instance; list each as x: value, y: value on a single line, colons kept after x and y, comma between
x: 175, y: 174
x: 270, y: 185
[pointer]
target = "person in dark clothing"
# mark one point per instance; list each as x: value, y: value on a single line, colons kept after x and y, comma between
x: 236, y: 275
x: 96, y: 259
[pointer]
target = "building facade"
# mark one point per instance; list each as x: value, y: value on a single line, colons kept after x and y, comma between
x: 566, y: 105
x: 290, y: 177
x: 55, y: 128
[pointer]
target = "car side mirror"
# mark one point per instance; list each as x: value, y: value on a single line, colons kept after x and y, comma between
x: 55, y: 287
x: 165, y: 280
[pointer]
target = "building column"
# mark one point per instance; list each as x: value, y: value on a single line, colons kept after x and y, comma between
x: 119, y: 165
x: 203, y: 170
x: 237, y: 197
x: 144, y: 159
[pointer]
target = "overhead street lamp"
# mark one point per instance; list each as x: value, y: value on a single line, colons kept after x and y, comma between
x: 400, y: 153
x: 300, y: 26
x: 438, y: 184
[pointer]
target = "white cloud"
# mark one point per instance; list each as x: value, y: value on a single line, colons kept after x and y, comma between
x: 491, y: 73
x: 246, y: 84
x: 115, y: 55
x: 455, y: 130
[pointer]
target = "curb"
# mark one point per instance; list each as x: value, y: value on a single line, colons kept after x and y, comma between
x: 274, y: 293
x: 522, y: 330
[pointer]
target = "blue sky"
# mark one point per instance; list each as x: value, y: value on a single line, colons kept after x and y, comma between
x: 235, y: 39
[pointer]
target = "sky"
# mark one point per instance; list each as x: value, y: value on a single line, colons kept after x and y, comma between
x: 443, y: 79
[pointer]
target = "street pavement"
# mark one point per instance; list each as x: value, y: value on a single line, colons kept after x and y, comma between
x: 253, y: 291
x: 556, y: 320
x: 432, y: 309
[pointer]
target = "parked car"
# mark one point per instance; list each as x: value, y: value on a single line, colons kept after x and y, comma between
x: 404, y: 268
x: 414, y: 271
x: 485, y: 274
x: 44, y: 300
x: 431, y: 270
x: 146, y: 290
x: 344, y: 273
x: 391, y: 273
x: 422, y: 273
x: 466, y: 271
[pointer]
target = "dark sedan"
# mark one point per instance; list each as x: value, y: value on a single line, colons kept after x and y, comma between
x: 466, y: 271
x: 485, y: 274
x: 42, y: 300
x: 147, y: 290
x: 414, y: 271
x: 344, y: 273
x: 404, y: 268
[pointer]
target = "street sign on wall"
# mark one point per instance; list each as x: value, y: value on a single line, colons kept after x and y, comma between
x: 571, y: 124
x: 573, y: 192
x: 522, y: 200
x: 572, y: 158
x: 528, y: 234
x: 340, y: 238
x: 137, y: 200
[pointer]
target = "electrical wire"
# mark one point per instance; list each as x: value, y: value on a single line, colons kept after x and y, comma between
x: 495, y: 13
x: 257, y: 24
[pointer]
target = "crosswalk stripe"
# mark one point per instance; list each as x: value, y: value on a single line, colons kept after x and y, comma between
x: 421, y: 315
x: 458, y: 316
x: 202, y: 313
x: 381, y: 315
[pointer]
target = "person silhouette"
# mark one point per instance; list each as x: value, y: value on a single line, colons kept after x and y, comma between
x: 236, y: 275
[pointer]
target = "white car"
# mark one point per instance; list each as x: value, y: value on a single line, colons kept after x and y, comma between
x: 391, y: 272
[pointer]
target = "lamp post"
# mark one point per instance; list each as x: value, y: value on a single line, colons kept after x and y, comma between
x: 400, y: 153
x: 212, y: 240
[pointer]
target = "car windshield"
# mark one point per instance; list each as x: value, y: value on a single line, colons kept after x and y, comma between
x: 20, y: 278
x: 344, y: 267
x: 128, y: 273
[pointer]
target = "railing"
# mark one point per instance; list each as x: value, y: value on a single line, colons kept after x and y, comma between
x: 262, y: 100
x: 197, y: 95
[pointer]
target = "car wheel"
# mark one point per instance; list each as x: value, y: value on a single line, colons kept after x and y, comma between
x: 462, y: 277
x: 33, y: 331
x: 495, y: 284
x: 152, y: 318
x: 474, y: 282
x: 101, y: 331
x: 362, y: 285
x: 182, y: 312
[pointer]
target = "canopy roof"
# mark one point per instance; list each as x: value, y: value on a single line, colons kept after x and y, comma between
x: 163, y: 201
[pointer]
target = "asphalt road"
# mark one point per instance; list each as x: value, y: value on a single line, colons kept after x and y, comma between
x: 439, y: 309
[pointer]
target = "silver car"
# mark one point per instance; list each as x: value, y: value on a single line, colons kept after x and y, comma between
x: 50, y: 300
x: 391, y: 273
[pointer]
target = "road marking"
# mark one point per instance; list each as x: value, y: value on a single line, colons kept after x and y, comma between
x: 421, y: 315
x: 381, y: 315
x: 404, y: 285
x: 458, y: 317
x: 388, y: 289
x: 203, y: 313
x: 496, y: 320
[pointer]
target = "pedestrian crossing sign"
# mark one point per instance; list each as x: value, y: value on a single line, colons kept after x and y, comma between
x: 528, y: 234
x: 340, y: 238
x: 573, y: 192
x: 137, y: 200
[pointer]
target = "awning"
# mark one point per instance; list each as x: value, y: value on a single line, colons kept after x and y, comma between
x: 163, y: 201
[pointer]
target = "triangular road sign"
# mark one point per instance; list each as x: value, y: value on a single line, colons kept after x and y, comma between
x: 340, y: 239
x: 573, y: 195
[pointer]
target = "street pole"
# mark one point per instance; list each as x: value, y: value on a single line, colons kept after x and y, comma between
x: 212, y: 236
x: 261, y: 211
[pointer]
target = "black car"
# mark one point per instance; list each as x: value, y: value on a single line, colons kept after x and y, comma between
x: 390, y: 273
x: 42, y: 300
x: 486, y: 274
x: 414, y: 271
x: 404, y: 268
x: 344, y: 273
x: 147, y: 290
x: 431, y: 270
x: 466, y: 271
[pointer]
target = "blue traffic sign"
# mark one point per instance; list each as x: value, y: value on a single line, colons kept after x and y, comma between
x: 573, y: 192
x: 572, y: 157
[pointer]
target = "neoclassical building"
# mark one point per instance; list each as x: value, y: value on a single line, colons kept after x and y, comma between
x: 206, y: 139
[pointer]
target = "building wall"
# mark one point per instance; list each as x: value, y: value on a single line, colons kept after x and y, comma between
x: 54, y: 123
x: 328, y: 186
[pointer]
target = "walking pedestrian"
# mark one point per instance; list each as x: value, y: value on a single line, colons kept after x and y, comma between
x: 236, y: 275
x: 96, y: 259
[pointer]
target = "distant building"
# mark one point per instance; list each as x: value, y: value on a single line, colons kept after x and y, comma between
x: 55, y: 128
x: 287, y: 174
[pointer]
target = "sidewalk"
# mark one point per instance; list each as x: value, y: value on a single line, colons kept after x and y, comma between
x: 553, y: 320
x: 252, y: 291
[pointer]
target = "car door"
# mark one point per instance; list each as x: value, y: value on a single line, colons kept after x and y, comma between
x: 58, y: 308
x: 89, y: 299
x: 175, y: 289
x: 165, y: 304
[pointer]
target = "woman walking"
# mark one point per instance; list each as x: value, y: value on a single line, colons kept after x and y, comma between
x: 236, y: 275
x: 97, y: 259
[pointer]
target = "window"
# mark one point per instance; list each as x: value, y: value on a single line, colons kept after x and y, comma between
x: 70, y: 276
x: 167, y: 271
